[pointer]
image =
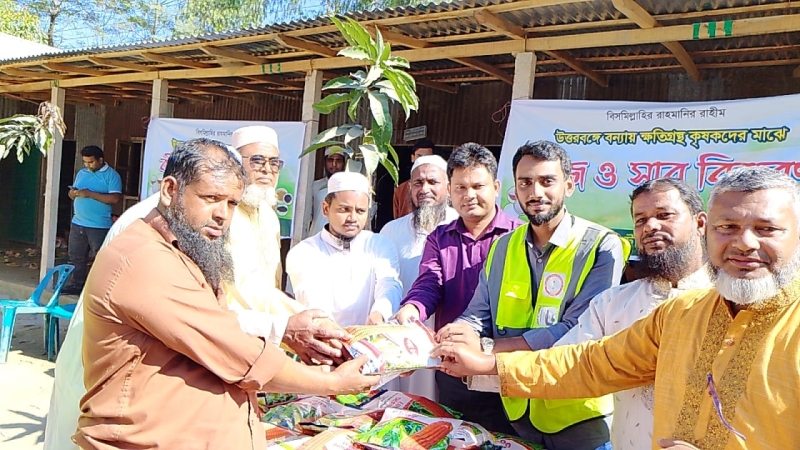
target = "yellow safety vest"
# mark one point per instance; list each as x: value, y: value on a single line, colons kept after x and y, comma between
x: 515, y: 310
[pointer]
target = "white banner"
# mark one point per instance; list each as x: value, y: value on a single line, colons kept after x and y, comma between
x: 615, y: 146
x: 163, y: 135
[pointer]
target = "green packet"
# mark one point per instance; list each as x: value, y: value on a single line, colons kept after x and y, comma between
x: 408, y: 434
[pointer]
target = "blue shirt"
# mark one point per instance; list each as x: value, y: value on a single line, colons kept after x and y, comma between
x: 89, y: 212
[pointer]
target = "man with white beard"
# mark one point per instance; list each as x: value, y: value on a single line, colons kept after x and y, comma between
x: 254, y: 245
x: 428, y: 195
x: 724, y: 359
x: 669, y: 224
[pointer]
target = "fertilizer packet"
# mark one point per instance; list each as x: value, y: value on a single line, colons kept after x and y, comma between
x: 405, y: 430
x: 411, y: 402
x: 392, y: 348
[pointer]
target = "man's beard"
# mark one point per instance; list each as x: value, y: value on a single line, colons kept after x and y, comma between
x: 211, y: 256
x: 255, y: 196
x: 544, y: 217
x: 429, y: 215
x: 748, y: 292
x: 673, y: 263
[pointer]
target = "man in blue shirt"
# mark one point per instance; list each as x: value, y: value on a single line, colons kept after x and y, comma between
x: 97, y: 186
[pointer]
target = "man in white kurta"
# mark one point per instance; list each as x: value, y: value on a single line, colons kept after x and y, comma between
x: 668, y: 225
x: 345, y: 270
x: 335, y: 160
x: 429, y: 197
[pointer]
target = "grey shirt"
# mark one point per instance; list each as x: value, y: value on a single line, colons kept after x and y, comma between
x: 605, y: 273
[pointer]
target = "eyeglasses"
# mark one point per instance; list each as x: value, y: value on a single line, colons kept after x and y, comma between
x: 712, y: 391
x: 257, y: 162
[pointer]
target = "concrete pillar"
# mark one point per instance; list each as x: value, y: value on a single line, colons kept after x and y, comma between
x: 52, y: 178
x: 90, y: 127
x: 159, y: 106
x: 524, y: 75
x: 303, y: 197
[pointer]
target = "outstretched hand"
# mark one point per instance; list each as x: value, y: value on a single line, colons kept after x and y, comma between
x: 350, y: 380
x: 315, y: 338
x: 460, y: 360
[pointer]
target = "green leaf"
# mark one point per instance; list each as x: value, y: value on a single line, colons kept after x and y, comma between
x: 359, y: 75
x: 331, y: 101
x: 393, y: 153
x: 362, y: 37
x: 403, y: 92
x: 352, y: 109
x: 386, y: 87
x: 331, y: 133
x: 341, y: 83
x: 319, y: 145
x: 371, y: 157
x: 392, y: 169
x: 374, y: 75
x: 358, y: 52
x: 397, y: 61
x: 3, y: 151
x: 344, y: 28
x: 355, y: 132
x: 380, y: 47
x: 379, y: 106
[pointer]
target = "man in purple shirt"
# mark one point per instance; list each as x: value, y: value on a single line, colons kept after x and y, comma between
x: 450, y: 268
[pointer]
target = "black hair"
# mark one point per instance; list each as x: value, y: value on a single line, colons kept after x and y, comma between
x: 92, y: 151
x: 192, y: 158
x: 689, y: 195
x: 423, y: 143
x: 543, y: 151
x: 472, y: 155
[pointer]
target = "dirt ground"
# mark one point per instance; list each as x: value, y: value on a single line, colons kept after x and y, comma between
x: 26, y: 382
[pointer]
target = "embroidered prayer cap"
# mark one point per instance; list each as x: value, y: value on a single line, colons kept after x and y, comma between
x: 436, y: 160
x: 348, y: 181
x: 253, y: 134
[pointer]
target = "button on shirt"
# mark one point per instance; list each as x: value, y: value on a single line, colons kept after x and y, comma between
x: 89, y: 212
x: 451, y: 265
x: 166, y: 364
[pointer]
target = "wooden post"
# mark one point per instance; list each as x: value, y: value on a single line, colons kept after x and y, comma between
x: 524, y: 75
x: 51, y: 188
x: 303, y: 197
x: 159, y: 106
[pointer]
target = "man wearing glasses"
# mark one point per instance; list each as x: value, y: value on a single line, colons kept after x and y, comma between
x: 723, y: 359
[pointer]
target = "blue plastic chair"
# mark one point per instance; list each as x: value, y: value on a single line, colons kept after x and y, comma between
x: 35, y: 305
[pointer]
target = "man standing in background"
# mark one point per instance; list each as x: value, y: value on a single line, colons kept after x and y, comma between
x: 401, y: 202
x: 96, y: 187
x: 335, y: 160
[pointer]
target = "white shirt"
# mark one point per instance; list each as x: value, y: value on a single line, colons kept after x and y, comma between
x: 319, y: 190
x: 616, y: 309
x: 347, y: 283
x: 410, y: 243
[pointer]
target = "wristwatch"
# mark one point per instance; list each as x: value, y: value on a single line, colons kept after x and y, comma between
x: 487, y: 345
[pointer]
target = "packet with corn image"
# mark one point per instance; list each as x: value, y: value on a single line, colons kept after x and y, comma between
x: 405, y: 430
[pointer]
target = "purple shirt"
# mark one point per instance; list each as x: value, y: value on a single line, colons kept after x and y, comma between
x: 450, y: 268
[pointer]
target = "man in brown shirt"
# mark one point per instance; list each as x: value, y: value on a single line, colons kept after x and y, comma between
x: 166, y: 364
x: 401, y: 201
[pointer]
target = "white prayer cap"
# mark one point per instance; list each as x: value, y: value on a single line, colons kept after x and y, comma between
x: 333, y: 149
x: 348, y: 181
x: 235, y: 153
x: 436, y: 160
x: 253, y: 134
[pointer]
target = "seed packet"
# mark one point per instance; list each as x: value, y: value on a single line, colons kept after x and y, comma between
x: 410, y: 402
x: 306, y: 409
x: 333, y: 439
x: 392, y: 348
x: 471, y: 436
x: 275, y: 433
x: 291, y: 443
x: 360, y: 422
x: 268, y: 400
x: 357, y: 400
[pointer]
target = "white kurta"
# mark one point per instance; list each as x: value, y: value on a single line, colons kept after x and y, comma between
x: 410, y: 242
x: 348, y: 284
x: 616, y: 309
x: 319, y: 189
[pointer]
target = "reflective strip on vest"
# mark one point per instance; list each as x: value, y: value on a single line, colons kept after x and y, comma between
x: 515, y: 310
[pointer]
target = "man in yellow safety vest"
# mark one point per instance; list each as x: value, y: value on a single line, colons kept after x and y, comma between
x: 536, y: 282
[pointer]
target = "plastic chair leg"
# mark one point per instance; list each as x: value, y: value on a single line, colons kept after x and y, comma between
x: 9, y: 317
x: 53, y: 337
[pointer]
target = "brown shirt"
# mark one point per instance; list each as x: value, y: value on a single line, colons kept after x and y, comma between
x: 166, y: 365
x: 401, y: 202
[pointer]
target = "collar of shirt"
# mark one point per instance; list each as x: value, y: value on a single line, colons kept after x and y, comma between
x: 700, y: 279
x: 335, y: 242
x: 560, y: 236
x: 502, y: 222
